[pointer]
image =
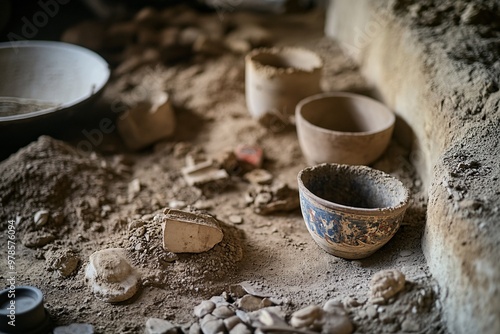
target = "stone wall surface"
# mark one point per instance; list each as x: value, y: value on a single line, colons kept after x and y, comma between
x: 437, y: 65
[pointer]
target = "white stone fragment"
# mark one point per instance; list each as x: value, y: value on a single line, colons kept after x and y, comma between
x: 110, y: 275
x: 186, y: 232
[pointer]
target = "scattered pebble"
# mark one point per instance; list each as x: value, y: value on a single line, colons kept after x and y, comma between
x: 410, y: 325
x: 259, y: 176
x: 177, y: 204
x: 371, y: 311
x: 269, y: 318
x: 338, y: 324
x: 273, y: 198
x: 195, y: 329
x: 385, y: 284
x: 160, y: 326
x: 306, y: 316
x: 249, y: 303
x: 235, y: 219
x: 405, y: 253
x: 41, y: 217
x: 240, y: 329
x: 334, y: 306
x: 202, y: 205
x: 211, y: 325
x: 110, y: 275
x: 204, y: 308
x: 37, y: 239
x: 134, y: 188
x: 231, y: 322
x: 223, y: 312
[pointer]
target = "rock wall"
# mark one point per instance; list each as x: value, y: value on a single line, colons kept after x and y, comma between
x: 436, y: 64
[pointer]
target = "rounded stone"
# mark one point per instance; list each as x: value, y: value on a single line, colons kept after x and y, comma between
x: 110, y: 275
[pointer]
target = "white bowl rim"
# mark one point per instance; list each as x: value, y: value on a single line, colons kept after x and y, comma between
x: 298, y: 114
x: 55, y: 44
x: 382, y: 211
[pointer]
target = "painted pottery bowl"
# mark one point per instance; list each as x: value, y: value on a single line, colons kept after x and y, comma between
x: 351, y: 211
x: 276, y: 79
x: 343, y: 128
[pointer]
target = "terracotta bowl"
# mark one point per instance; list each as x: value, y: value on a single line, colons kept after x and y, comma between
x: 343, y: 128
x: 351, y: 211
x: 276, y: 79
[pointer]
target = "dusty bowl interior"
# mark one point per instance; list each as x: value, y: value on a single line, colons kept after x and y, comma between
x: 40, y: 77
x: 343, y: 128
x: 276, y: 79
x: 351, y: 211
x: 287, y: 58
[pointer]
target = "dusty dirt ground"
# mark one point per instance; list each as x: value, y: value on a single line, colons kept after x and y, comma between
x: 275, y: 254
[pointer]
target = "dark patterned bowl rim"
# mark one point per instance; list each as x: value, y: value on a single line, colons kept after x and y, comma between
x: 391, y: 210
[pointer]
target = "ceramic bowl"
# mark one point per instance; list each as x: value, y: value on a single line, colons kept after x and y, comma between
x: 343, y: 128
x: 351, y: 211
x: 46, y: 86
x: 55, y: 75
x: 276, y: 79
x: 30, y: 314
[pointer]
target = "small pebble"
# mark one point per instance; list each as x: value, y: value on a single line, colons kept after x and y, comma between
x: 211, y: 325
x: 269, y: 318
x: 405, y: 253
x: 41, y: 217
x: 259, y: 176
x: 235, y: 219
x: 386, y: 284
x: 204, y: 308
x: 37, y: 239
x: 249, y: 303
x: 410, y: 325
x: 223, y: 312
x: 177, y: 204
x: 306, y: 316
x: 230, y: 322
x: 338, y: 324
x: 371, y: 311
x: 240, y: 329
x: 195, y: 329
x: 159, y: 326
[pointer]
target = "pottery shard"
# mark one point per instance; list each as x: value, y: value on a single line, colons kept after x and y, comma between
x: 385, y: 284
x: 185, y: 232
x: 110, y: 275
x: 147, y: 123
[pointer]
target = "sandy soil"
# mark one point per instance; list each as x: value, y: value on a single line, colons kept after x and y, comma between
x: 275, y: 253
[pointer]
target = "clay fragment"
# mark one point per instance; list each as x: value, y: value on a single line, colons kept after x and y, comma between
x: 186, y: 232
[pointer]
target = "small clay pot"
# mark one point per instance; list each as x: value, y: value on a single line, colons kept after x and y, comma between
x: 351, y: 211
x: 343, y: 128
x: 278, y: 78
x: 26, y: 303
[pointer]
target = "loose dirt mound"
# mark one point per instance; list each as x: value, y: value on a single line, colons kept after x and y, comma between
x: 51, y: 175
